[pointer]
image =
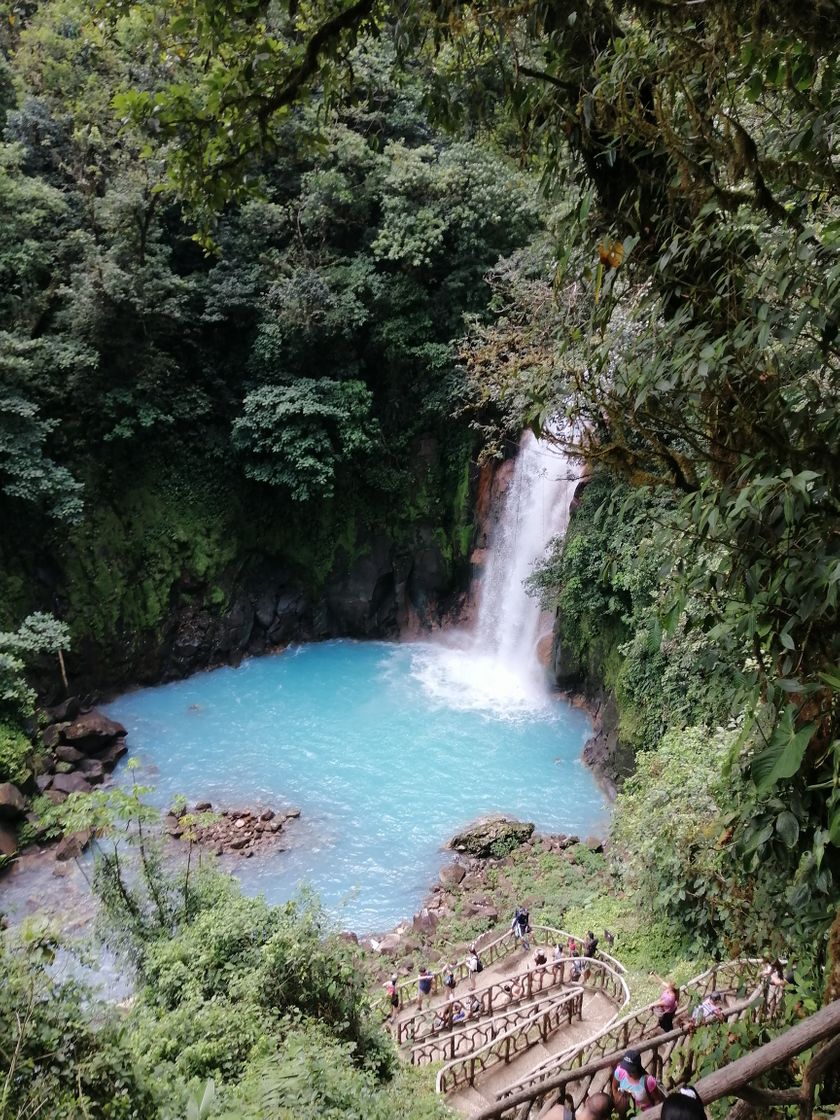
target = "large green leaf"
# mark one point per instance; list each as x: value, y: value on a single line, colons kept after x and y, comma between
x: 783, y: 756
x: 787, y: 827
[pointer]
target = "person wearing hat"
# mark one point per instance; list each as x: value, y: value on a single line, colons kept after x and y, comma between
x: 632, y: 1084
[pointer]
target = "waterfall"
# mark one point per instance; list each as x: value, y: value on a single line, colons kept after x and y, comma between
x: 535, y: 510
x: 496, y: 665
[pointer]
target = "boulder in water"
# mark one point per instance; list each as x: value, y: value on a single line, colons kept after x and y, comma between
x: 492, y: 837
x: 93, y: 731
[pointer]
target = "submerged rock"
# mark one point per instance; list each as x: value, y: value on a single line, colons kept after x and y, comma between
x: 492, y: 837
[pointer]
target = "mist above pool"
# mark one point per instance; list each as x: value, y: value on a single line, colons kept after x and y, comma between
x: 386, y: 749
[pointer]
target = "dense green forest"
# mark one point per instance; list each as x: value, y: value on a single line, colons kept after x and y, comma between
x: 273, y: 278
x: 185, y: 433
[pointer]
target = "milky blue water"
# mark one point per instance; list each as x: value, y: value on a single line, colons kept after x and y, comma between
x: 383, y: 763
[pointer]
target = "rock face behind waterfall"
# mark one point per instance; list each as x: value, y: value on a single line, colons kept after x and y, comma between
x: 171, y: 587
x: 376, y: 593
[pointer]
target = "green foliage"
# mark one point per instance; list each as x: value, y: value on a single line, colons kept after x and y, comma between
x: 306, y: 354
x: 15, y: 754
x: 312, y: 1076
x: 297, y: 435
x: 63, y: 1057
x: 605, y: 580
x: 38, y: 634
x: 667, y: 836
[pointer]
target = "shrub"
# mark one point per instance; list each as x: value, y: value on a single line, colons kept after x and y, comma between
x: 15, y: 754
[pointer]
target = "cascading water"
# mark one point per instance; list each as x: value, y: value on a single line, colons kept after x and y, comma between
x: 497, y: 666
x: 536, y: 509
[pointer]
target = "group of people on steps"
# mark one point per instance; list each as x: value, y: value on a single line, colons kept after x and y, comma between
x: 630, y: 1087
x: 573, y: 953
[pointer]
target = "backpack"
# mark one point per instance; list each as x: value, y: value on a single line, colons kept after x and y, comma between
x: 479, y: 967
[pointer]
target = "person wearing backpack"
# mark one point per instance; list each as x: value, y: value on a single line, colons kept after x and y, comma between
x: 449, y: 981
x: 424, y: 988
x: 632, y: 1084
x: 474, y: 966
x: 521, y: 926
x: 393, y: 997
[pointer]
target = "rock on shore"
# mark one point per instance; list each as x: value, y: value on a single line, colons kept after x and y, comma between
x: 244, y: 831
x: 492, y: 836
x: 80, y: 750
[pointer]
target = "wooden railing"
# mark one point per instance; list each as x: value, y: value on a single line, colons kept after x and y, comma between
x: 504, y: 1048
x: 597, y: 975
x: 578, y: 1081
x: 732, y: 978
x: 482, y: 1002
x: 494, y: 950
x: 820, y: 1032
x: 466, y: 1038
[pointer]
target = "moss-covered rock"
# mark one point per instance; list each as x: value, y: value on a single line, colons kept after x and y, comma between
x: 492, y: 837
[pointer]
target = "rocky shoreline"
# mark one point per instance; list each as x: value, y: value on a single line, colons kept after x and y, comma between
x: 475, y: 889
x: 80, y: 749
x: 245, y: 832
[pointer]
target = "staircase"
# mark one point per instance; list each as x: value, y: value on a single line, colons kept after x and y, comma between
x: 528, y: 1039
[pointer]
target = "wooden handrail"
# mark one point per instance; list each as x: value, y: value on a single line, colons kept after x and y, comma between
x: 469, y: 1038
x: 556, y: 1085
x: 496, y: 950
x: 638, y: 1023
x: 492, y: 998
x: 731, y: 1079
x: 601, y: 976
x: 513, y: 1042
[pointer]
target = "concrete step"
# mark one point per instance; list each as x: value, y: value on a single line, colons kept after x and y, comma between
x: 597, y: 1010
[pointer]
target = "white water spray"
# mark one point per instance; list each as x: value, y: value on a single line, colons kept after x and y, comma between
x: 497, y: 666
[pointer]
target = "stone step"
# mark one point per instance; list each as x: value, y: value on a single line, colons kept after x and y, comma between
x: 597, y: 1010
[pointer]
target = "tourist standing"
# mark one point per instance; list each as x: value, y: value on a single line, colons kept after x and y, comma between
x: 666, y: 1006
x: 474, y: 966
x: 631, y: 1083
x: 558, y: 964
x: 521, y: 926
x: 393, y: 997
x: 424, y: 988
x: 449, y: 981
